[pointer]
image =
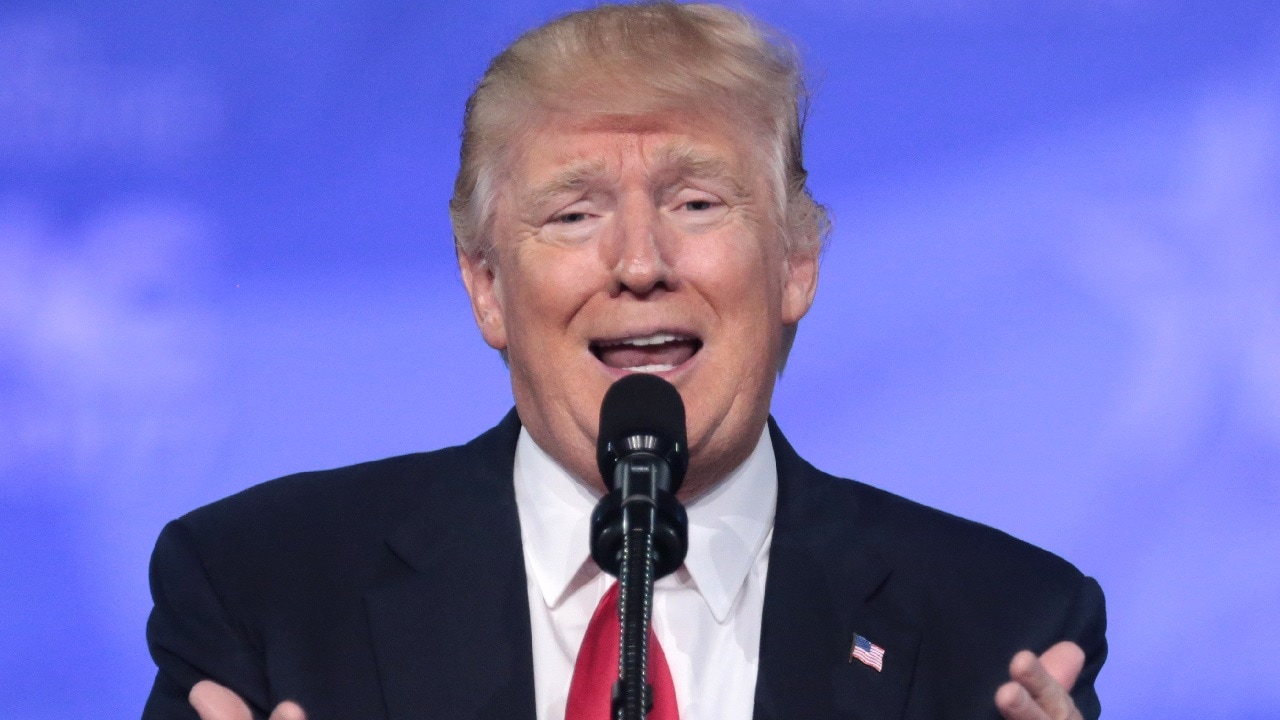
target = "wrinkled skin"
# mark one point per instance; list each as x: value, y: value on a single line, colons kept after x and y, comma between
x: 617, y: 230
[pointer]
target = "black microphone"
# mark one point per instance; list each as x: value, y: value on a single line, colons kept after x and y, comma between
x: 642, y: 453
x: 639, y: 531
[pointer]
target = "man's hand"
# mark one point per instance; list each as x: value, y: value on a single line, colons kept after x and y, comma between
x: 214, y: 702
x: 1040, y: 686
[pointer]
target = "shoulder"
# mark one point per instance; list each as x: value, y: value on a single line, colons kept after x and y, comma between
x: 342, y: 516
x: 941, y: 544
x: 941, y: 555
x: 318, y: 503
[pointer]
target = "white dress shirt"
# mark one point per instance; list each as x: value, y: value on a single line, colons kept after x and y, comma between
x: 706, y: 615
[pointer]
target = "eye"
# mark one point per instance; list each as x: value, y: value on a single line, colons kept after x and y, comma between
x: 572, y: 224
x: 697, y: 209
x: 569, y: 218
x: 698, y: 205
x: 697, y: 201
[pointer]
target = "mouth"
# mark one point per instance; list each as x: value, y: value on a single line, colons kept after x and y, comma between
x: 654, y: 353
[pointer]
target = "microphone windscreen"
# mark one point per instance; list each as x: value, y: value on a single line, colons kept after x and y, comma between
x: 640, y: 404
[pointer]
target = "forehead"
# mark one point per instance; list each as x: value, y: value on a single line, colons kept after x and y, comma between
x: 665, y: 144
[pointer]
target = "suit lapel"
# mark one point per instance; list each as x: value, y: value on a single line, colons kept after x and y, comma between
x: 451, y: 631
x: 823, y: 586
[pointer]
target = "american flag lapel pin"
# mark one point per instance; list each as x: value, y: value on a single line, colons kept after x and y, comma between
x: 867, y: 653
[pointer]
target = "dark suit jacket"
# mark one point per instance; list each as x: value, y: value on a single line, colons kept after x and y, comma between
x: 396, y: 589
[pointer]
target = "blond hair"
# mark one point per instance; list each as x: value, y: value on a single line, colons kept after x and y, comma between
x: 634, y: 60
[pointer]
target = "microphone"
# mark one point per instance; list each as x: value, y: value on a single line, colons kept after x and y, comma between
x: 639, y: 531
x: 642, y: 453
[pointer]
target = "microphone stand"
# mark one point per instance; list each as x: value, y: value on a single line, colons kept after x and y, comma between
x: 638, y: 486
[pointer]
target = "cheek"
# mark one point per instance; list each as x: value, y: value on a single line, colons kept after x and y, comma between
x: 737, y: 276
x: 545, y: 289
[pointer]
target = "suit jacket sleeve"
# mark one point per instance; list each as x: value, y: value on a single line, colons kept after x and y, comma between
x: 1086, y: 626
x: 191, y: 633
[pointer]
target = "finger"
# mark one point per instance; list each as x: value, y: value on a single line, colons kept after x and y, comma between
x: 1027, y: 670
x: 1064, y: 662
x: 288, y: 710
x: 1015, y: 703
x: 214, y: 702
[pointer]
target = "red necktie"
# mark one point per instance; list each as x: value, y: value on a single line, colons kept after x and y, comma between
x: 596, y: 669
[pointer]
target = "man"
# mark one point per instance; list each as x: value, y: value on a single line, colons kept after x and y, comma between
x: 631, y: 199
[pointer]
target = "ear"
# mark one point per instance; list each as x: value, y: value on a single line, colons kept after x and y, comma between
x: 480, y: 278
x: 799, y: 284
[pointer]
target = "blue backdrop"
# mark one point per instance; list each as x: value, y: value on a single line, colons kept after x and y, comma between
x: 1051, y: 303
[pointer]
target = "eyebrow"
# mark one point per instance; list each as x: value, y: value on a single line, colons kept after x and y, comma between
x: 674, y: 162
x: 571, y: 179
x: 684, y: 161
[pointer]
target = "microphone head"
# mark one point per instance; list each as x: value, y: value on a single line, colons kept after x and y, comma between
x: 642, y: 412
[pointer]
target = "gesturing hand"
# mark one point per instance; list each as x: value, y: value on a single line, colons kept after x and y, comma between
x: 214, y: 702
x: 1040, y: 687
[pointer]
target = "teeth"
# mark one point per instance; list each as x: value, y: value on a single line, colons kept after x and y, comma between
x: 657, y: 339
x: 651, y: 368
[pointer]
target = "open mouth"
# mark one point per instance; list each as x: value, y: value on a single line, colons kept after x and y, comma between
x: 654, y: 353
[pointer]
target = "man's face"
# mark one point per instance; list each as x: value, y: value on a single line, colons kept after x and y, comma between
x: 640, y: 245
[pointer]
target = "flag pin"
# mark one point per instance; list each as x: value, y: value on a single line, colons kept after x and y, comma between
x: 867, y: 652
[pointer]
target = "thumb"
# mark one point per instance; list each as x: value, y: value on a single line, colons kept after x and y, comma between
x: 287, y: 710
x: 1064, y: 662
x: 215, y: 702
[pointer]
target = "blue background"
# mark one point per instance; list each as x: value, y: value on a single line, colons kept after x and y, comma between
x: 1051, y: 303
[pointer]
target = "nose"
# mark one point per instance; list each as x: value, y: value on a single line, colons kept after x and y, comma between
x: 638, y: 252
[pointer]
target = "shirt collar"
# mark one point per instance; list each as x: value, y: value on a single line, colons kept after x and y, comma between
x: 728, y: 525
